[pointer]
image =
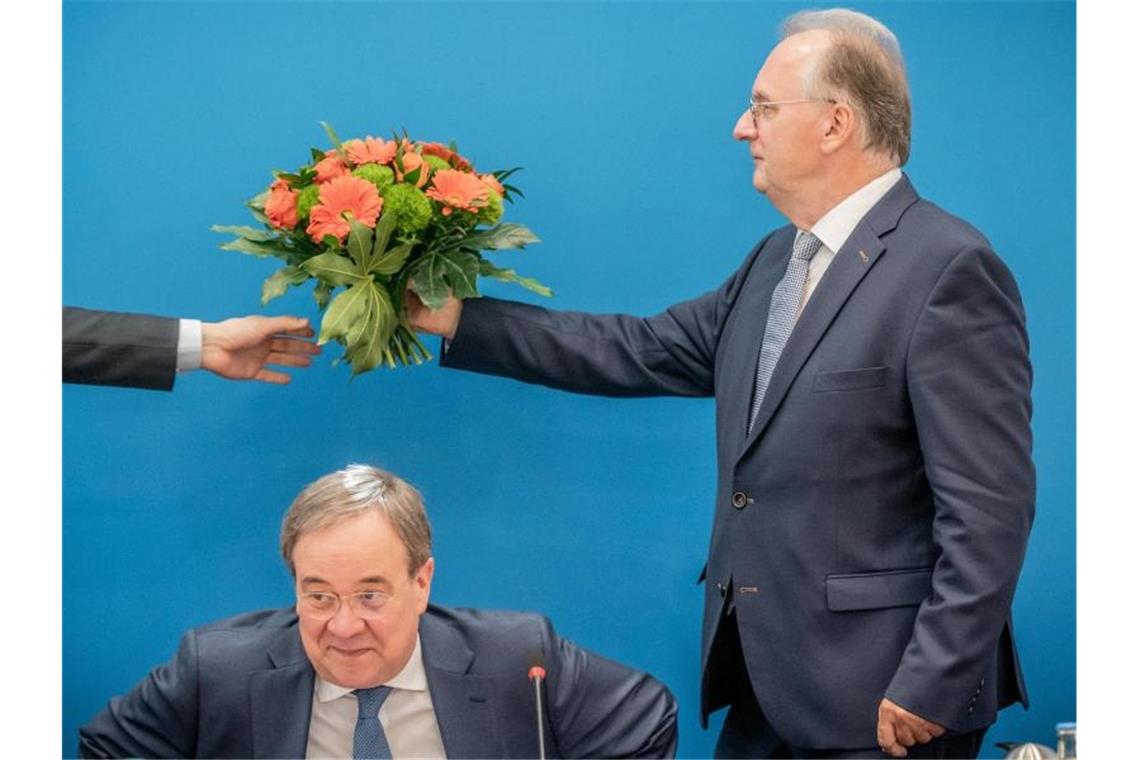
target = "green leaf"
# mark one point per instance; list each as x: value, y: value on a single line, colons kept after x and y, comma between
x: 366, y: 347
x: 249, y: 233
x: 509, y: 236
x: 331, y: 133
x: 333, y: 269
x: 429, y: 282
x: 322, y: 293
x: 384, y: 227
x: 277, y: 283
x: 359, y: 244
x: 261, y: 250
x: 344, y: 311
x: 487, y: 269
x: 318, y: 155
x: 258, y: 201
x: 462, y: 273
x: 390, y: 261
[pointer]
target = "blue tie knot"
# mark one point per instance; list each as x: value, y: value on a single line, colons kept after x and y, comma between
x: 369, y: 701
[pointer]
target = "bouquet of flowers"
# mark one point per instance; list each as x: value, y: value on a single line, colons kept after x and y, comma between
x: 377, y: 217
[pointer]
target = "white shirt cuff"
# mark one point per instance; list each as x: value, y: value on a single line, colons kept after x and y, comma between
x: 189, y: 344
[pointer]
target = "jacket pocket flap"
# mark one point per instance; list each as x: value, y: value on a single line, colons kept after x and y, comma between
x: 870, y: 591
x: 849, y: 379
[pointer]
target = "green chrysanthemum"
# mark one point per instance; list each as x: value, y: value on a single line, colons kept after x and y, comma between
x: 306, y: 199
x: 378, y: 175
x: 411, y: 207
x: 436, y: 163
x: 493, y: 211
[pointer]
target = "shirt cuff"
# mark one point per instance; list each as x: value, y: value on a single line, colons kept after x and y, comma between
x: 189, y: 344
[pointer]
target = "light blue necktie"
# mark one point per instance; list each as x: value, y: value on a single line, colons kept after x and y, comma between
x: 782, y: 315
x: 368, y: 740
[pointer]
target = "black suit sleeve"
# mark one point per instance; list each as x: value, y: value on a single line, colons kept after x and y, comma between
x: 158, y: 718
x: 598, y: 708
x: 109, y: 348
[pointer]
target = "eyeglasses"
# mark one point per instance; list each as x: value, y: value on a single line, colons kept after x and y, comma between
x: 767, y: 108
x: 324, y: 605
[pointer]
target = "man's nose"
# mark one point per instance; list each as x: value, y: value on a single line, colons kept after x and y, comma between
x: 745, y: 128
x: 345, y: 622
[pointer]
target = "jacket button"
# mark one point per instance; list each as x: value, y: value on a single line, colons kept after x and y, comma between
x: 721, y: 588
x: 740, y: 499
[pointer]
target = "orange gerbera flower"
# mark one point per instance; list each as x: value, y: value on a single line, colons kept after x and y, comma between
x: 330, y: 167
x: 281, y: 205
x: 458, y: 190
x: 370, y: 150
x: 340, y: 196
x: 491, y: 181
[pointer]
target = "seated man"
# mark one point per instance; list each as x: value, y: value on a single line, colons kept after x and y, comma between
x: 363, y: 666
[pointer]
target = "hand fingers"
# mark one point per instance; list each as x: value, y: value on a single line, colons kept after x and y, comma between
x: 288, y: 360
x: 303, y: 332
x: 293, y: 346
x: 904, y: 735
x: 887, y: 740
x: 933, y: 728
x: 921, y: 735
x: 269, y: 376
x: 284, y: 324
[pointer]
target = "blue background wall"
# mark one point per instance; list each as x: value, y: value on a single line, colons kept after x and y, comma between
x: 594, y: 511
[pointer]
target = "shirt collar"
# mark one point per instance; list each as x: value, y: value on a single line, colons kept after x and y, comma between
x: 836, y: 225
x: 413, y: 677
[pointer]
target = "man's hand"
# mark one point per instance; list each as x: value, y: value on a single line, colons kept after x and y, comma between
x: 422, y: 319
x: 240, y: 348
x: 899, y: 729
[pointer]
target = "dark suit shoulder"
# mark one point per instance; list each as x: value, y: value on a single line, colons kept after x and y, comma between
x: 252, y: 640
x: 938, y: 225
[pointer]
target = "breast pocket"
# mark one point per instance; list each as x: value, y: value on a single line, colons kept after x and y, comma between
x: 849, y: 379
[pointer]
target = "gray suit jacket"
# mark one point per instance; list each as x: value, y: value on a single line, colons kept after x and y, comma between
x: 110, y: 348
x: 243, y: 687
x: 873, y: 525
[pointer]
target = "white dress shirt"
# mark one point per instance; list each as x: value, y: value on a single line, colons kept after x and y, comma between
x: 836, y: 226
x: 407, y: 716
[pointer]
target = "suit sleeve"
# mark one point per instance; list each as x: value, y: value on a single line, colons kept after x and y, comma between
x: 670, y: 354
x: 598, y: 708
x: 158, y: 718
x: 109, y: 348
x: 969, y: 380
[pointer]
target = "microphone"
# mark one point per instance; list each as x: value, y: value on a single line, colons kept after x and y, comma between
x: 537, y: 674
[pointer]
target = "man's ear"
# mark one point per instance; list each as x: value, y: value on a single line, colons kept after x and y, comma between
x: 840, y: 128
x: 422, y: 583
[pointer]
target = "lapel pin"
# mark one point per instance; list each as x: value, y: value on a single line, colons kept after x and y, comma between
x: 864, y: 257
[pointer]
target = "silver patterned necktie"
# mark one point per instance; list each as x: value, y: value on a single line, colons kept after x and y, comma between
x: 782, y: 315
x: 368, y: 739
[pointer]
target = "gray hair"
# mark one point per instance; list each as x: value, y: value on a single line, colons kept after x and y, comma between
x: 352, y: 491
x: 865, y: 65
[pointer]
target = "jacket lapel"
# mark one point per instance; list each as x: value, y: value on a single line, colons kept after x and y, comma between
x: 463, y: 702
x: 281, y: 699
x: 851, y: 264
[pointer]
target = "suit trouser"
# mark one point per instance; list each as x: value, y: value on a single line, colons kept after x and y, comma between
x: 746, y: 732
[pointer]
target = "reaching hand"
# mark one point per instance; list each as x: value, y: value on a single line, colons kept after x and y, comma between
x: 899, y: 729
x: 441, y: 322
x: 240, y: 348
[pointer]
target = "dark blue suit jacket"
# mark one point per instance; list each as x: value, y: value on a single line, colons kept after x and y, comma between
x: 113, y: 348
x: 243, y: 687
x: 874, y: 523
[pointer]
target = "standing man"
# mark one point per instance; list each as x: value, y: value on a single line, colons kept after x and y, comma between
x: 871, y: 371
x: 364, y: 667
